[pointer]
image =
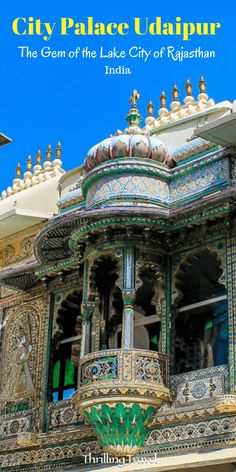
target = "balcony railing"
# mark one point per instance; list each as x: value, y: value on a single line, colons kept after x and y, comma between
x: 120, y: 390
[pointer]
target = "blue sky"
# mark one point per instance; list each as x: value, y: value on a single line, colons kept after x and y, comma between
x: 46, y: 100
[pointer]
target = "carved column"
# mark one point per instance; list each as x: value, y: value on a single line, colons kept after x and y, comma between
x: 128, y: 321
x: 128, y: 292
x: 87, y: 311
x: 231, y: 295
x: 96, y: 325
x: 88, y: 306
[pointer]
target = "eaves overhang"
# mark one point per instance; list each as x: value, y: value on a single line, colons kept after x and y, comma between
x: 17, y: 219
x: 221, y: 131
x: 4, y: 139
x: 21, y: 277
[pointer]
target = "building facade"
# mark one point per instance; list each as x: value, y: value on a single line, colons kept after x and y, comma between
x: 117, y: 303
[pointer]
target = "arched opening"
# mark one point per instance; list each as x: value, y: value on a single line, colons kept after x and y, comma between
x: 65, y: 348
x: 146, y: 320
x: 201, y: 331
x: 104, y: 275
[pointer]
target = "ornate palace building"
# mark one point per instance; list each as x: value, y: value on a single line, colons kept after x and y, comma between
x: 118, y: 298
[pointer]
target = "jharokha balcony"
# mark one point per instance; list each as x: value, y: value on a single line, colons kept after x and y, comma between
x: 119, y: 392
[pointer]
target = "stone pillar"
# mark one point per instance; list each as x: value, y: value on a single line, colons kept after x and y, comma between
x: 128, y: 321
x: 88, y: 306
x: 128, y: 292
x: 87, y: 311
x: 231, y: 298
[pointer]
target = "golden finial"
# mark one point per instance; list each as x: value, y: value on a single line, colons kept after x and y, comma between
x: 150, y: 108
x: 38, y: 157
x: 175, y: 93
x: 134, y: 97
x: 163, y: 99
x: 188, y: 88
x: 202, y: 84
x: 58, y: 150
x: 29, y: 163
x: 18, y: 171
x: 49, y: 153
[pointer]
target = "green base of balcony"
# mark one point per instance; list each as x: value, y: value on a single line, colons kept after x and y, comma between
x: 120, y: 390
x: 121, y: 428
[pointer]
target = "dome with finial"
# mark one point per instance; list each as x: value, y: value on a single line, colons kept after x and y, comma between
x: 133, y: 142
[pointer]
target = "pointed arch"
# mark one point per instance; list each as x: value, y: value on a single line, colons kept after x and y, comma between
x: 200, y: 314
x: 104, y: 289
x: 65, y: 347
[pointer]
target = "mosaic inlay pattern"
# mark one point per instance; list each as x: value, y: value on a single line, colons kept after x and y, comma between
x: 15, y: 423
x: 204, y: 179
x: 113, y: 187
x: 118, y: 185
x: 62, y: 414
x: 125, y: 365
x: 199, y: 385
x: 49, y: 454
x: 103, y: 368
x: 191, y: 431
x: 148, y: 370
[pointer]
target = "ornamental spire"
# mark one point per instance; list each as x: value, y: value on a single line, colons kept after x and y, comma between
x: 175, y: 93
x: 163, y: 99
x: 49, y: 153
x: 133, y: 118
x: 28, y: 173
x: 36, y: 175
x: 179, y: 110
x: 175, y: 98
x: 38, y: 157
x: 188, y: 88
x: 150, y: 108
x: 29, y: 163
x: 18, y: 171
x: 58, y: 150
x: 202, y: 84
x: 47, y: 163
x: 202, y: 97
x: 134, y: 97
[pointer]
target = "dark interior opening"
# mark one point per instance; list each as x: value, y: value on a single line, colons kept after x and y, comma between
x: 63, y: 381
x: 111, y: 303
x: 201, y: 331
x: 199, y: 280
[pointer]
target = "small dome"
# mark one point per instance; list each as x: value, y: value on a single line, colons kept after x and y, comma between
x: 128, y: 145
